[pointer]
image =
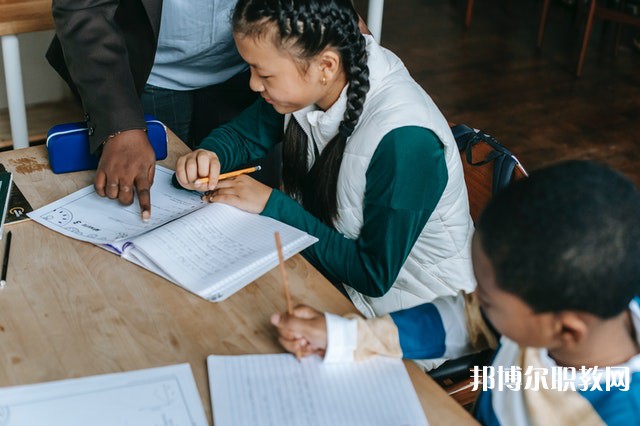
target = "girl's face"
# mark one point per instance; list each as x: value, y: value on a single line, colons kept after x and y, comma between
x: 281, y: 81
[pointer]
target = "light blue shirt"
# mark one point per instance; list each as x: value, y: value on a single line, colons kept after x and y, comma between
x: 195, y: 45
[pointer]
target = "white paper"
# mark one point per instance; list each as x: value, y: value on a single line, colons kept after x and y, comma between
x: 212, y: 250
x: 237, y: 248
x: 153, y: 397
x: 270, y: 390
x: 86, y: 216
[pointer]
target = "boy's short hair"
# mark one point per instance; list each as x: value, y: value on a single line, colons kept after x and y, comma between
x: 566, y: 238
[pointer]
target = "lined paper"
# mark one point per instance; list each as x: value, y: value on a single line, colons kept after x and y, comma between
x: 255, y: 390
x: 216, y: 250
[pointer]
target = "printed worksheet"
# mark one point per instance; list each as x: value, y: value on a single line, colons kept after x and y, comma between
x: 278, y: 390
x: 161, y: 396
x: 86, y: 216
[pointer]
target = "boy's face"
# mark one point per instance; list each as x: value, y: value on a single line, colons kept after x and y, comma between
x: 509, y: 314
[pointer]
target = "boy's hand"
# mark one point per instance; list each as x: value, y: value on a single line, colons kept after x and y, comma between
x: 304, y: 332
x: 243, y: 192
x: 195, y: 165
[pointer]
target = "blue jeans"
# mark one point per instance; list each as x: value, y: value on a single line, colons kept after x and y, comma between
x: 174, y: 108
x: 192, y: 114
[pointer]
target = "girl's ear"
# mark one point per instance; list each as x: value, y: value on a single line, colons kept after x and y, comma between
x: 329, y: 65
x: 572, y: 329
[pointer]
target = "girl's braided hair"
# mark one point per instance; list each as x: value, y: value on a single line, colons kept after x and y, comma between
x: 305, y: 28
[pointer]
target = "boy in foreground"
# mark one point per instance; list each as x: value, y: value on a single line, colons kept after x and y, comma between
x: 557, y: 261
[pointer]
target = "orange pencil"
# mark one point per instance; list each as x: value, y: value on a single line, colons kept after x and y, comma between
x: 230, y: 174
x: 285, y: 284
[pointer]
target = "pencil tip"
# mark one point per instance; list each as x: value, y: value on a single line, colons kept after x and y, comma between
x: 3, y: 284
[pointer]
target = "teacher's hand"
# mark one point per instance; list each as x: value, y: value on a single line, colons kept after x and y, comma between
x: 127, y: 164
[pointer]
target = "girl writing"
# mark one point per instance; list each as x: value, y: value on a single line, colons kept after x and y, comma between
x: 370, y: 166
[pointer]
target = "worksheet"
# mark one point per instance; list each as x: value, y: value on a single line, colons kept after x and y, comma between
x: 278, y: 390
x: 161, y: 396
x: 86, y: 216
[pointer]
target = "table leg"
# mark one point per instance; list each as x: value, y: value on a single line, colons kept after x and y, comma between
x: 15, y: 92
x: 374, y: 18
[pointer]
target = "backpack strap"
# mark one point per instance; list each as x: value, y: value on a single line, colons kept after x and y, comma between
x: 504, y: 162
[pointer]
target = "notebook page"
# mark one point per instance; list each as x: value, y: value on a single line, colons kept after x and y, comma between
x: 270, y: 390
x: 155, y: 396
x: 86, y: 216
x: 215, y: 249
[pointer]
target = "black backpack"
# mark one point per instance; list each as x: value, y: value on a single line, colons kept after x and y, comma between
x: 504, y: 162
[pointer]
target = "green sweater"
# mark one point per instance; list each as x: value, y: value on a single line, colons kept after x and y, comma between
x: 405, y: 180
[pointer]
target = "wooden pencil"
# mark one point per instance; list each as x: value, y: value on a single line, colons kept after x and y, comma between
x: 285, y: 283
x: 283, y: 272
x: 230, y: 174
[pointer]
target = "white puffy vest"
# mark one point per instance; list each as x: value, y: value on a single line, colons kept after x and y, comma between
x: 440, y: 262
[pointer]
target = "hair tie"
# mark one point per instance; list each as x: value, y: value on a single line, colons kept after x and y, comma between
x: 345, y: 130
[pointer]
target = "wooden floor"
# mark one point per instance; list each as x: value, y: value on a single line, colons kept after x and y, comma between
x: 492, y: 77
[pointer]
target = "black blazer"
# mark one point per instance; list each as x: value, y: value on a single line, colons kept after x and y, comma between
x: 105, y: 51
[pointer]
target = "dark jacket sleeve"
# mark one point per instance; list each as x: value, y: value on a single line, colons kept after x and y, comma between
x: 105, y: 50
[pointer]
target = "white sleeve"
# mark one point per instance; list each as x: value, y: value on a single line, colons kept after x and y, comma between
x: 342, y: 338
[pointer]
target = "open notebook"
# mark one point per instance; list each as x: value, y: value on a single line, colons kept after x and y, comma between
x: 278, y: 390
x: 212, y: 250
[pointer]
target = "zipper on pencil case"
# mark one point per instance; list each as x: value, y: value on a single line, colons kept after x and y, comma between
x: 66, y: 132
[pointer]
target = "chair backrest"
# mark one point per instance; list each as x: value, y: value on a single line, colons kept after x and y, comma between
x: 488, y: 166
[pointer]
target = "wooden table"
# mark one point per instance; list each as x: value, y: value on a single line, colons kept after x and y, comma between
x: 16, y: 17
x: 71, y: 309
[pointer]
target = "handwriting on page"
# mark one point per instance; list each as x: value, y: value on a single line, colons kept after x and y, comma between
x: 200, y: 256
x: 210, y: 247
x: 278, y: 390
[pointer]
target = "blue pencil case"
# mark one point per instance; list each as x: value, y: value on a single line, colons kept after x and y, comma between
x: 68, y: 145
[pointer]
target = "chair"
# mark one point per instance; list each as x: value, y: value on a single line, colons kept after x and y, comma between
x: 597, y: 9
x: 483, y: 177
x: 544, y: 14
x: 619, y: 16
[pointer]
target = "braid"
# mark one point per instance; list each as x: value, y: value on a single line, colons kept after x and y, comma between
x: 358, y: 75
x: 321, y: 198
x: 306, y: 28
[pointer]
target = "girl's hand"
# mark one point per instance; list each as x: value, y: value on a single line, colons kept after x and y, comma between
x: 195, y: 165
x: 242, y: 192
x: 304, y: 332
